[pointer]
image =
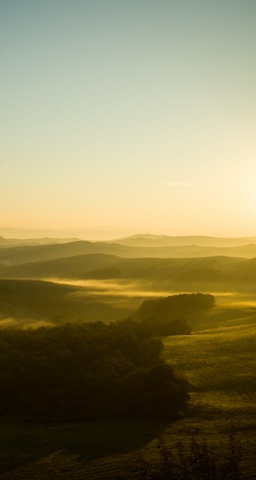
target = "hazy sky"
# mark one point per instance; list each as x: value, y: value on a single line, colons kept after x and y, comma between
x: 128, y: 116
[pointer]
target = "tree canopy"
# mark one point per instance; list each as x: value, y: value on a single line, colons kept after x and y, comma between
x: 84, y: 371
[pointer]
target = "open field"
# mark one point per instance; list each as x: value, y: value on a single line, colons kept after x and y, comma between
x: 31, y: 302
x: 47, y: 285
x: 220, y: 364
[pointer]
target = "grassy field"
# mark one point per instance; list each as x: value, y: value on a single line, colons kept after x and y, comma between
x: 220, y: 364
x: 218, y: 358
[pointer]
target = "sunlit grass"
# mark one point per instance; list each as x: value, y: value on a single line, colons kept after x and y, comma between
x: 220, y: 365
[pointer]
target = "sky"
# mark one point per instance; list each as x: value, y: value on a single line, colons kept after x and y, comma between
x: 128, y: 116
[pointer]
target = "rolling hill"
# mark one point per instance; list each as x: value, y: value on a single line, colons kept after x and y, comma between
x: 219, y: 273
x: 148, y: 240
x: 220, y: 364
x: 8, y: 242
x: 33, y: 303
x: 90, y: 281
x: 17, y: 255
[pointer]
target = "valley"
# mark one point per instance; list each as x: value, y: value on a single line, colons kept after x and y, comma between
x: 45, y: 286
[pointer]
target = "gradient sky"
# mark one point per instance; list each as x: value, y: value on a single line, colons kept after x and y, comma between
x: 128, y: 116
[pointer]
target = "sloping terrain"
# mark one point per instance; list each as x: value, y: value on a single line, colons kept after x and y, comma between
x: 18, y: 255
x: 220, y: 365
x: 104, y: 287
x: 28, y: 254
x: 33, y: 302
x: 148, y: 240
x: 98, y: 281
x: 170, y: 274
x: 8, y: 242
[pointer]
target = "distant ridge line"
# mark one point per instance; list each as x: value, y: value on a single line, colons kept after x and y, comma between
x: 146, y: 240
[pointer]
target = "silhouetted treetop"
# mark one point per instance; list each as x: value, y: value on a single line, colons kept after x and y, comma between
x: 90, y: 370
x: 169, y: 308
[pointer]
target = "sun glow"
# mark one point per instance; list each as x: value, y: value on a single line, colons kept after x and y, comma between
x: 249, y: 199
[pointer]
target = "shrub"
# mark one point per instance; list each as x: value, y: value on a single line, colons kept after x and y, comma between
x: 199, y: 461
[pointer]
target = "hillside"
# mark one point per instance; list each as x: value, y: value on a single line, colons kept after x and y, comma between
x: 220, y: 364
x: 217, y: 273
x: 34, y: 303
x: 29, y: 254
x: 46, y: 285
x: 17, y: 255
x: 148, y: 240
x: 7, y: 242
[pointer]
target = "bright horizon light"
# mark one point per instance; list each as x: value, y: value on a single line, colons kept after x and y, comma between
x: 128, y: 117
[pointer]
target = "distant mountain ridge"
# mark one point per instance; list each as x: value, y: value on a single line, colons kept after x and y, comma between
x: 149, y: 240
x: 4, y: 241
x: 18, y: 255
x: 8, y: 242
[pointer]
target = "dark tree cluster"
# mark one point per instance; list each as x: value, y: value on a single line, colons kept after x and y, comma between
x: 162, y: 327
x: 169, y: 308
x: 87, y: 371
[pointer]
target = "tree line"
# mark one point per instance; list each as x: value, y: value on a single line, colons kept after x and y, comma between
x: 98, y: 370
x: 87, y: 371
